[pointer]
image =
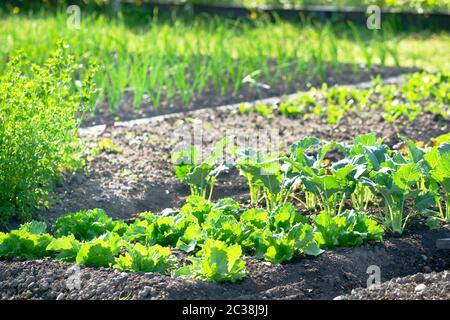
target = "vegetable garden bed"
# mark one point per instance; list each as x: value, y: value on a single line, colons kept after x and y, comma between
x: 132, y: 171
x: 129, y: 171
x: 332, y: 274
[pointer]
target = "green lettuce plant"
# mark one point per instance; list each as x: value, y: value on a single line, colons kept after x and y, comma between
x: 282, y: 246
x: 139, y: 258
x: 100, y: 252
x: 350, y: 228
x: 64, y: 248
x: 216, y: 261
x: 28, y: 242
x: 279, y: 235
x: 86, y: 225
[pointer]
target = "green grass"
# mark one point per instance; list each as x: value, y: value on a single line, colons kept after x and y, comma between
x: 164, y: 58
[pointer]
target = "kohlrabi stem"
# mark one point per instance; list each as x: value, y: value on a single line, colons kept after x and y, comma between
x: 447, y: 208
x: 341, y: 205
x: 253, y: 192
x: 211, y: 188
x: 362, y: 193
x: 193, y: 191
x: 268, y: 200
x: 368, y: 196
x: 304, y: 203
x: 441, y: 211
x: 396, y: 217
x: 309, y: 200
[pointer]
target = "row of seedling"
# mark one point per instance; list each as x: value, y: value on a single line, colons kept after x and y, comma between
x: 213, y: 236
x: 420, y: 93
x: 366, y: 172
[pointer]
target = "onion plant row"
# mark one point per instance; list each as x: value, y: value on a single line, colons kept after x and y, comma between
x: 178, y: 59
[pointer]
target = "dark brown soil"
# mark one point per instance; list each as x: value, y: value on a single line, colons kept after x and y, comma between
x: 330, y: 275
x: 212, y: 97
x: 431, y: 286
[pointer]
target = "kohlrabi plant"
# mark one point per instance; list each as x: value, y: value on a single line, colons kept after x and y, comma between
x: 437, y: 161
x: 366, y: 151
x: 329, y: 186
x: 266, y: 177
x: 200, y: 175
x: 396, y: 183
